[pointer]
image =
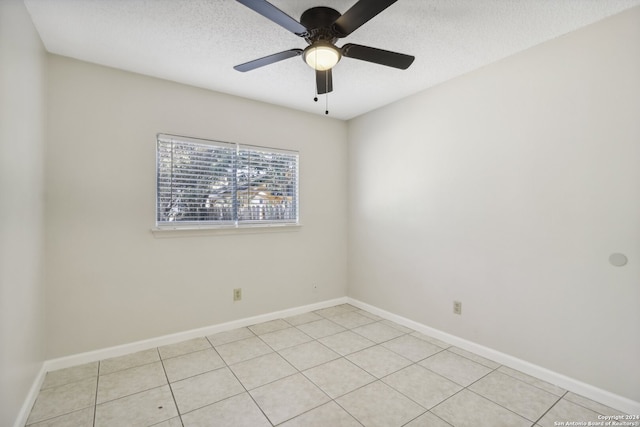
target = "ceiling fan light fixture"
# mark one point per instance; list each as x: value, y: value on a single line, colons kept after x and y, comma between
x: 321, y: 56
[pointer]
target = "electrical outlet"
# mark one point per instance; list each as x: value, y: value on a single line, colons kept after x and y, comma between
x: 457, y: 307
x: 237, y: 294
x: 314, y: 287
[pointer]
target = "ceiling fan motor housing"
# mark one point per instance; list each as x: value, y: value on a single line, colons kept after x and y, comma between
x: 319, y: 23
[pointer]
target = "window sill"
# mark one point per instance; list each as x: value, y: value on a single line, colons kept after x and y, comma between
x: 169, y: 232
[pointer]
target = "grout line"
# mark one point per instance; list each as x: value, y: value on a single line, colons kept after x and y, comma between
x: 550, y: 408
x: 428, y: 411
x: 616, y: 412
x: 524, y: 382
x: 175, y: 402
x: 345, y: 409
x: 474, y: 361
x: 95, y: 403
x: 500, y: 405
x: 245, y: 388
x: 431, y: 413
x: 531, y: 384
x: 331, y: 399
x: 208, y: 404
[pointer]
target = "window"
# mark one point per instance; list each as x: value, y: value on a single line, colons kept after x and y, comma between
x: 204, y: 183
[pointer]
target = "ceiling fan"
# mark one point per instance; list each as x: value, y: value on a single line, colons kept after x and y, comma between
x: 321, y: 27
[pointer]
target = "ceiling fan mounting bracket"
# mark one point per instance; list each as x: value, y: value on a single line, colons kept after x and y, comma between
x: 319, y: 22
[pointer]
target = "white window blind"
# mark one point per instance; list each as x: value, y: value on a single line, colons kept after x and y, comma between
x: 202, y: 182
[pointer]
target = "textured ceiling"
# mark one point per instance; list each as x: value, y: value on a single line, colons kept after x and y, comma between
x: 197, y: 42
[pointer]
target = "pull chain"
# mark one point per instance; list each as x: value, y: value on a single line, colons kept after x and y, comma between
x: 326, y: 85
x: 326, y: 94
x: 315, y: 98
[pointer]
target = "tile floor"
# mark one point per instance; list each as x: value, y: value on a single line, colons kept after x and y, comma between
x: 339, y: 366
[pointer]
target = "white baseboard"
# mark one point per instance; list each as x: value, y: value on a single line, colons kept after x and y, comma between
x: 121, y: 350
x: 21, y: 420
x: 605, y: 397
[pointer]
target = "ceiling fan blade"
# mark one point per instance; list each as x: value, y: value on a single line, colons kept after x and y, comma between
x: 274, y: 14
x: 360, y: 13
x: 324, y: 81
x: 261, y: 62
x: 377, y: 56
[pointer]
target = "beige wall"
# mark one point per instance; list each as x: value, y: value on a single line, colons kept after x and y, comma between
x: 507, y: 189
x: 109, y: 279
x: 22, y: 122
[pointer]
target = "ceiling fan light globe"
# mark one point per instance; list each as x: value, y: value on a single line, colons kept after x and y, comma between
x: 321, y: 57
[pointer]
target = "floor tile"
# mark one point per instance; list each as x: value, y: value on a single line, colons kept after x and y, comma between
x: 230, y: 336
x: 515, y: 395
x: 262, y: 370
x: 183, y: 347
x: 285, y: 338
x: 378, y: 405
x: 191, y: 364
x: 565, y: 411
x: 381, y: 372
x: 81, y: 418
x: 369, y: 315
x: 422, y: 386
x: 205, y: 389
x: 289, y: 397
x: 346, y: 342
x: 140, y: 409
x: 472, y: 356
x: 397, y: 326
x: 239, y: 351
x: 308, y: 355
x: 56, y: 401
x: 378, y: 332
x: 139, y: 358
x: 270, y: 326
x: 338, y: 377
x: 328, y: 415
x: 467, y: 409
x: 590, y: 404
x: 321, y: 328
x: 379, y: 361
x: 551, y: 388
x: 428, y: 420
x: 335, y: 310
x: 303, y: 318
x: 236, y: 411
x: 69, y: 375
x: 456, y: 368
x: 173, y: 422
x: 351, y: 319
x: 432, y: 340
x: 412, y: 348
x: 130, y: 381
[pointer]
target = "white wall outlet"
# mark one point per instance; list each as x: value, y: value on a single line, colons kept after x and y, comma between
x: 314, y: 287
x: 237, y: 294
x: 457, y: 307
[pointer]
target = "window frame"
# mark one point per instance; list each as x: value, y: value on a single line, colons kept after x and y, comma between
x: 237, y: 222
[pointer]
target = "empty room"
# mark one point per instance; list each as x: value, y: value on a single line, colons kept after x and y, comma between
x: 301, y: 213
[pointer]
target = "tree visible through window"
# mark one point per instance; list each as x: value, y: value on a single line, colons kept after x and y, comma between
x: 201, y: 182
